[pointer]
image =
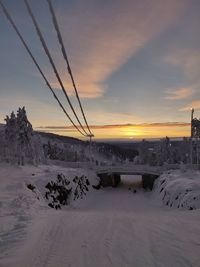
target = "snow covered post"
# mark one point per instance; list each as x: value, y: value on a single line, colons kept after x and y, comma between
x: 90, y: 147
x: 195, y: 134
x: 198, y: 152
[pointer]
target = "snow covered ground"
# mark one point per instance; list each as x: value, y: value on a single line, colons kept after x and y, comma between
x: 109, y: 227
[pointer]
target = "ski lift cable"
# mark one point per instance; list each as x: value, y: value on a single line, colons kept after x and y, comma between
x: 56, y: 26
x: 51, y: 61
x: 8, y: 16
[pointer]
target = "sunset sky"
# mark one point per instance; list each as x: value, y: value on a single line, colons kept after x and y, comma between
x: 136, y: 64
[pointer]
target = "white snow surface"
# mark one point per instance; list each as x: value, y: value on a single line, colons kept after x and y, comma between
x: 109, y: 227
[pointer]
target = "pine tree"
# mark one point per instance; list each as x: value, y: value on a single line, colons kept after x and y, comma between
x: 24, y: 138
x: 11, y: 138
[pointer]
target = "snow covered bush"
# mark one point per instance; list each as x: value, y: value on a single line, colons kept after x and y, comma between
x: 179, y: 189
x: 59, y: 192
x: 31, y: 187
x: 82, y: 184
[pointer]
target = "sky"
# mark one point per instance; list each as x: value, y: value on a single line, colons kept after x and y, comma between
x: 136, y: 65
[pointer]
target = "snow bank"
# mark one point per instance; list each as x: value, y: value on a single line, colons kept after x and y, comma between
x: 179, y: 189
x: 19, y: 205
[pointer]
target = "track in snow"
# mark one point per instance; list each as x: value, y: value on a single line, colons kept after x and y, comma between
x: 117, y: 229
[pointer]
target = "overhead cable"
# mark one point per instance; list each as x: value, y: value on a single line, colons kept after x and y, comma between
x: 55, y: 23
x: 8, y: 16
x: 51, y: 61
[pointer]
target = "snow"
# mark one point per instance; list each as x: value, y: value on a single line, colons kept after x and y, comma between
x: 109, y: 227
x: 179, y: 189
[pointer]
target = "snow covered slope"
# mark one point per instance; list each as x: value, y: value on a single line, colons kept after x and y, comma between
x: 109, y: 227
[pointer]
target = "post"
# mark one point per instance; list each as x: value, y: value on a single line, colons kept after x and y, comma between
x: 90, y: 149
x: 197, y: 152
x: 90, y: 146
x: 191, y: 141
x: 191, y: 151
x: 192, y: 114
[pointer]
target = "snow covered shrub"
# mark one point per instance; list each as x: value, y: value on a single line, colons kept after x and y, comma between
x: 179, y: 189
x: 97, y: 187
x: 31, y: 187
x: 59, y: 192
x: 82, y: 184
x: 34, y: 190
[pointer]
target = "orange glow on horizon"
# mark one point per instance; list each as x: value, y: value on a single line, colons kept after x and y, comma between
x: 157, y: 130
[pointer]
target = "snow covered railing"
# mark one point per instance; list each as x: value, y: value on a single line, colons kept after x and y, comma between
x: 130, y: 169
x: 142, y: 169
x: 126, y: 168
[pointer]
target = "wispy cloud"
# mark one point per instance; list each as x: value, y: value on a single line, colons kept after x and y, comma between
x: 124, y: 131
x: 101, y: 40
x: 193, y: 104
x: 179, y: 93
x: 188, y: 60
x: 119, y: 126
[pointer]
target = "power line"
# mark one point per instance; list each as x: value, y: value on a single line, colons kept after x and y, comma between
x: 51, y: 61
x: 55, y: 22
x: 8, y: 16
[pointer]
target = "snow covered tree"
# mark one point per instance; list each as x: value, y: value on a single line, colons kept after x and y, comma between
x: 22, y: 146
x: 2, y: 144
x: 24, y: 137
x: 143, y: 152
x: 11, y: 138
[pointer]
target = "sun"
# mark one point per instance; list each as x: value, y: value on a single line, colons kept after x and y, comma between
x: 132, y: 132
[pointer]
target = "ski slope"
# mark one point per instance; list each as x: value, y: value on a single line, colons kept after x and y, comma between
x: 110, y: 227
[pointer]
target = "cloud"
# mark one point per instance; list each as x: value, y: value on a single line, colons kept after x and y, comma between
x: 119, y: 126
x: 124, y: 131
x: 179, y: 93
x: 194, y: 104
x: 189, y: 61
x: 100, y: 40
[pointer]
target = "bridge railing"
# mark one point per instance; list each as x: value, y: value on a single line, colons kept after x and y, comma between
x: 130, y: 169
x: 123, y: 168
